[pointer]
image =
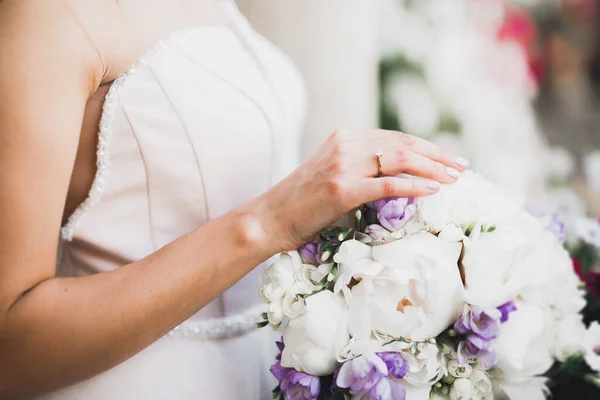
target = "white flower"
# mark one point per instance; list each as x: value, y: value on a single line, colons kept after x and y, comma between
x: 355, y: 260
x: 531, y: 389
x: 520, y: 258
x: 418, y: 295
x: 588, y: 230
x: 459, y: 370
x: 417, y: 109
x: 279, y: 276
x: 569, y: 334
x: 472, y: 200
x: 461, y: 389
x: 591, y: 346
x: 420, y: 393
x: 559, y: 164
x: 276, y: 281
x: 524, y: 343
x: 591, y: 168
x: 424, y: 366
x: 482, y: 385
x: 314, y: 340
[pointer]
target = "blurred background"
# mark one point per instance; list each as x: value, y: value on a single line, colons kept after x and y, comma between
x: 514, y: 85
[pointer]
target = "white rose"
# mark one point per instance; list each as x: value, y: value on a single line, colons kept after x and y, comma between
x: 591, y: 345
x: 459, y: 370
x: 417, y: 295
x: 461, y: 389
x: 569, y: 335
x: 523, y: 345
x: 314, y: 340
x: 471, y: 200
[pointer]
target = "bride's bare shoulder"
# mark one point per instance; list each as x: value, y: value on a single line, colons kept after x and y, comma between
x: 45, y: 34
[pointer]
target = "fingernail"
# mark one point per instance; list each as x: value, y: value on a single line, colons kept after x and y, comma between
x: 463, y: 162
x: 453, y: 173
x: 433, y: 185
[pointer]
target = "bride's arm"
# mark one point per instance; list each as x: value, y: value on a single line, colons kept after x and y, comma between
x: 56, y: 331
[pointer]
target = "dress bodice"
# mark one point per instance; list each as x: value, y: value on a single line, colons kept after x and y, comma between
x: 208, y: 119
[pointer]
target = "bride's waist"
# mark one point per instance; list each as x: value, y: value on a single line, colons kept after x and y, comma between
x: 209, y: 323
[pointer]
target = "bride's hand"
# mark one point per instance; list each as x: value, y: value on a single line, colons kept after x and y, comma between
x: 345, y: 173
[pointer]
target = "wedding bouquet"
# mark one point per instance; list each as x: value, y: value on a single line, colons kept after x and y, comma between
x: 460, y: 295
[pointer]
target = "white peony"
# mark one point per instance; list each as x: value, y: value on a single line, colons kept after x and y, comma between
x: 520, y: 258
x: 314, y: 340
x: 471, y: 201
x: 524, y: 344
x: 569, y: 335
x: 418, y: 295
x: 591, y: 346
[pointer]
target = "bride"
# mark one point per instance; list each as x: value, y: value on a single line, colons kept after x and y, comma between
x: 169, y: 207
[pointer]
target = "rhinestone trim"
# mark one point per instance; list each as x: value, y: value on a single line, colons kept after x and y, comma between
x: 219, y: 328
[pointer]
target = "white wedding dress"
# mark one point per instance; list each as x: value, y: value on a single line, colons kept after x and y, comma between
x: 208, y: 119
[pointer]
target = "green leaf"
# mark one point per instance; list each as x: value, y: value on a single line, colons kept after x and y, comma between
x: 262, y: 324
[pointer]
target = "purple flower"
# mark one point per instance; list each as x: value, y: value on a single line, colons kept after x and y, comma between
x: 300, y: 386
x: 393, y: 213
x: 476, y: 347
x: 484, y: 322
x: 362, y: 373
x: 397, y: 366
x: 480, y: 326
x: 506, y: 309
x: 550, y: 221
x: 373, y: 376
x: 295, y: 385
x: 309, y: 253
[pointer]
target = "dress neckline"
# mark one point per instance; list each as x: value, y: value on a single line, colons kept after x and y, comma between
x: 108, y: 115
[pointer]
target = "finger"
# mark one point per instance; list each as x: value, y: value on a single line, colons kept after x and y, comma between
x: 399, y: 140
x: 404, y: 161
x: 381, y: 188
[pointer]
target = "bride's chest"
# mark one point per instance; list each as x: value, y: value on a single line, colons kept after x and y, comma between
x: 201, y: 124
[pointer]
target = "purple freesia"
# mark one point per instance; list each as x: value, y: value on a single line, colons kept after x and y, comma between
x: 397, y: 366
x: 484, y: 322
x: 295, y: 385
x: 309, y: 253
x: 475, y: 347
x: 374, y: 376
x: 394, y: 212
x: 481, y: 325
x: 300, y: 386
x: 506, y: 309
